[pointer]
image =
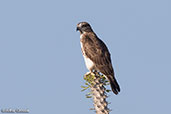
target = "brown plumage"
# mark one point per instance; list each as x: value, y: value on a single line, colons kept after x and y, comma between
x: 96, y: 54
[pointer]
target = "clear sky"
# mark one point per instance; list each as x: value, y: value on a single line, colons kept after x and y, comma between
x: 41, y: 64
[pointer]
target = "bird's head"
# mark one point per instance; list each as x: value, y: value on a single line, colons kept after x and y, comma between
x: 84, y: 27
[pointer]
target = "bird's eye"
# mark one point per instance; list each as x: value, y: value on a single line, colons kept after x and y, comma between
x: 84, y: 25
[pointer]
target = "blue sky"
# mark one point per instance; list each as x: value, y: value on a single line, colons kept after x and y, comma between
x: 42, y: 68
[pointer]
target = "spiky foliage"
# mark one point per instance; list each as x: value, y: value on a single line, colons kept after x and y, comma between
x: 97, y: 82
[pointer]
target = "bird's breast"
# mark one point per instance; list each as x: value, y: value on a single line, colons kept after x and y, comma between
x: 89, y: 63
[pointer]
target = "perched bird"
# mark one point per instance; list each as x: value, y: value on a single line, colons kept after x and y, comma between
x: 96, y: 54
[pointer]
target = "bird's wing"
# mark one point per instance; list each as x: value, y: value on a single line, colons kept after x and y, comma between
x: 96, y: 50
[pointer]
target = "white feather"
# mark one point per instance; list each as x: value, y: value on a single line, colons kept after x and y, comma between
x: 89, y: 63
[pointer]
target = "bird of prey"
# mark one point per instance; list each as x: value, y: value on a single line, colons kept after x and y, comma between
x: 96, y: 54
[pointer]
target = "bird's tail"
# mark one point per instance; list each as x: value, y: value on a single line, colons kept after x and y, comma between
x: 114, y: 84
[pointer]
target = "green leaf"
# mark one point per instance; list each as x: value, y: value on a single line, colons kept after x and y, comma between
x: 108, y: 90
x: 87, y: 96
x: 86, y: 83
x: 83, y: 86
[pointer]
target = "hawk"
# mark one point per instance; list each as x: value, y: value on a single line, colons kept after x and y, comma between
x: 96, y: 54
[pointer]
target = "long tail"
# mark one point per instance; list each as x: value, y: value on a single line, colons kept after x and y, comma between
x: 114, y: 84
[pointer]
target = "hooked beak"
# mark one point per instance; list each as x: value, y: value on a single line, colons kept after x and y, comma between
x: 77, y: 28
